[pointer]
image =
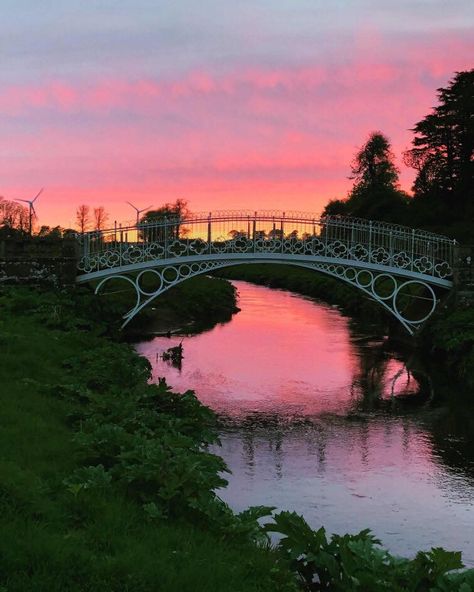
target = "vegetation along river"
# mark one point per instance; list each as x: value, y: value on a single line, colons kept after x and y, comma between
x: 320, y: 418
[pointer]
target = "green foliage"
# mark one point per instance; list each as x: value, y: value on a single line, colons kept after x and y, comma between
x: 455, y: 331
x: 245, y: 524
x: 64, y: 310
x: 356, y: 562
x: 451, y: 336
x: 107, y: 365
x: 146, y: 438
x: 88, y: 478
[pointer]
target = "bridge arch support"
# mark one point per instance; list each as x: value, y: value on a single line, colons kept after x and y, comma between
x: 387, y: 289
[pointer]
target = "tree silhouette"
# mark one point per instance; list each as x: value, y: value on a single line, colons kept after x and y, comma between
x: 173, y: 213
x: 13, y: 215
x: 443, y: 155
x: 100, y: 218
x: 14, y: 219
x: 233, y: 234
x: 375, y: 193
x: 83, y: 217
x: 373, y: 166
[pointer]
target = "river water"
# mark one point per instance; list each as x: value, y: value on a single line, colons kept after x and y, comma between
x: 321, y: 418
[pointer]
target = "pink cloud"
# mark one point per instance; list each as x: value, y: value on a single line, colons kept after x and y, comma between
x: 271, y: 83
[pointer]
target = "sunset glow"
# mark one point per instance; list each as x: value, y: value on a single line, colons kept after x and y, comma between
x: 258, y: 106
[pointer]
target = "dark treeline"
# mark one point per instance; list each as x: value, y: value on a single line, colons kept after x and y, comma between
x: 442, y: 154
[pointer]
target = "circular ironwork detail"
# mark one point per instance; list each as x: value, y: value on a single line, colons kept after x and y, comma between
x: 154, y: 290
x: 433, y: 301
x: 380, y: 278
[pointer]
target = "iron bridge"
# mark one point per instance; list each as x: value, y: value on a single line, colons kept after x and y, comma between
x: 393, y: 265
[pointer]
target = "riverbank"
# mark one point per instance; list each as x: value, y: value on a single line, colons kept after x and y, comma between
x: 449, y: 339
x: 446, y: 342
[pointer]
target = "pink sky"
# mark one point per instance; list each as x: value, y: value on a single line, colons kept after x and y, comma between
x: 263, y: 110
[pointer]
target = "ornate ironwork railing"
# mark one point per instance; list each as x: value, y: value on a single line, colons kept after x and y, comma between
x: 269, y: 232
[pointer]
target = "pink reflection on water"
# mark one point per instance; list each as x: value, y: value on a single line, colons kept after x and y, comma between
x: 282, y: 355
x: 300, y: 389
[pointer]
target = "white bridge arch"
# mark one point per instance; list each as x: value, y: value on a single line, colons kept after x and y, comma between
x: 389, y: 263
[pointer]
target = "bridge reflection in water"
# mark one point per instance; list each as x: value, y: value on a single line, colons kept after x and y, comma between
x: 392, y: 264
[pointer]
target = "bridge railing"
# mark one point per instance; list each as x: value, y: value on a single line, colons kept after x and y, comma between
x: 289, y: 233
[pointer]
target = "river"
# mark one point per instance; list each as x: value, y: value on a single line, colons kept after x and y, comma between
x: 320, y: 417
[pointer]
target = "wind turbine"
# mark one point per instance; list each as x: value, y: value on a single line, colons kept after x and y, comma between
x: 30, y: 202
x: 138, y: 211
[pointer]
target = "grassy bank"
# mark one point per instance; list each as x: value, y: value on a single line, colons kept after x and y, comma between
x: 104, y: 482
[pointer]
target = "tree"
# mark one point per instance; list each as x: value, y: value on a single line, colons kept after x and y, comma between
x: 83, y: 217
x: 173, y: 213
x: 336, y: 207
x: 13, y: 215
x: 234, y: 234
x: 443, y: 151
x: 376, y: 194
x: 100, y: 218
x: 275, y: 234
x: 55, y: 233
x: 373, y: 166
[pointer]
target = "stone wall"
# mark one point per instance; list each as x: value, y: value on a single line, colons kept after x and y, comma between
x: 35, y: 261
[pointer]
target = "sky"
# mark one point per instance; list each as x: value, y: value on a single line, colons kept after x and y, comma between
x: 229, y: 104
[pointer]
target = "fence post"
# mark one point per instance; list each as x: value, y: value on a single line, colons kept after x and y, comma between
x: 254, y: 231
x: 282, y: 238
x: 370, y: 241
x: 326, y: 235
x: 121, y: 244
x: 209, y: 232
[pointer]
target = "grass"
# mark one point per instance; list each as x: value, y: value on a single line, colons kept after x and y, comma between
x: 53, y: 540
